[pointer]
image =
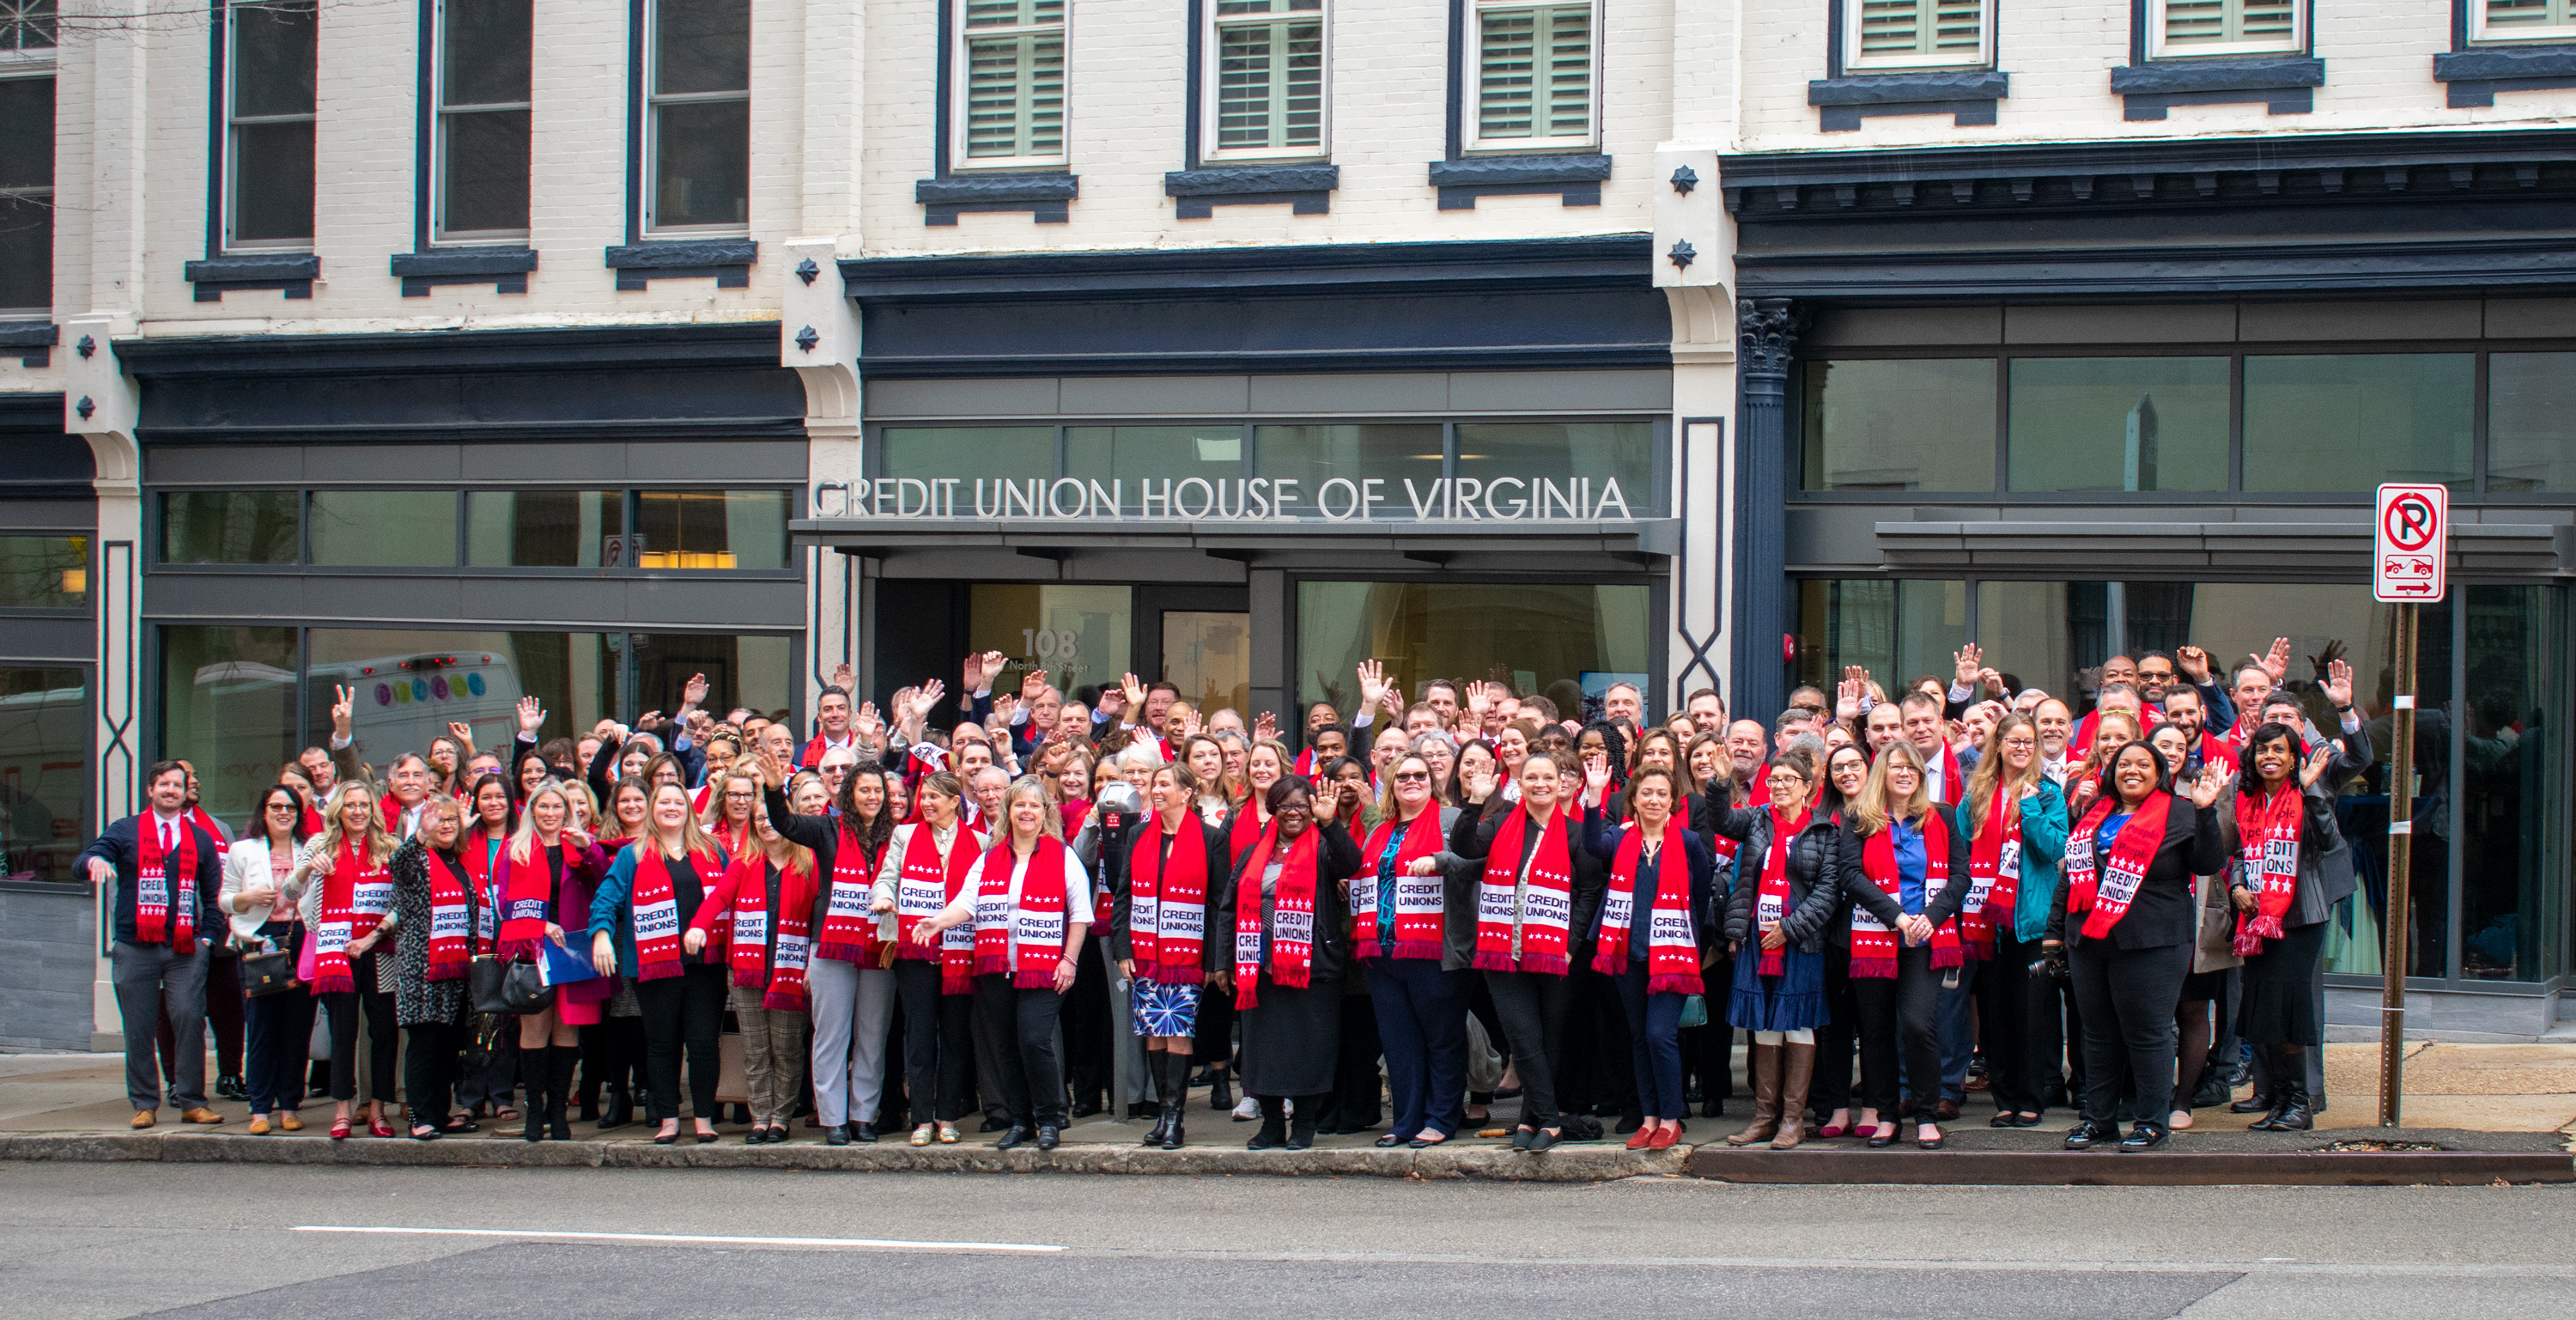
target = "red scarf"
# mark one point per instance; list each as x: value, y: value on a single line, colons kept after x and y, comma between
x: 2267, y: 830
x: 1771, y: 898
x: 197, y: 816
x: 747, y: 941
x: 525, y: 891
x: 1994, y: 872
x: 1239, y: 839
x: 452, y: 945
x: 849, y: 929
x: 927, y: 883
x: 1545, y: 912
x: 1292, y: 905
x: 1421, y: 901
x: 354, y: 889
x: 1672, y: 955
x: 657, y: 914
x: 1873, y: 944
x: 1167, y: 903
x: 1024, y: 940
x: 160, y: 882
x: 2107, y: 895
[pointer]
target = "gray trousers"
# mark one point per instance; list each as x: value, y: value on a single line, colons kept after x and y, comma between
x: 773, y: 1043
x: 853, y: 1007
x: 154, y: 984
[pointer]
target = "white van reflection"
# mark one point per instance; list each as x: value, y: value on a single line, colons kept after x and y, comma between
x: 44, y: 737
x: 405, y: 700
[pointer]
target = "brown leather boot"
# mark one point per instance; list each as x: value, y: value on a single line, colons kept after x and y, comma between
x: 1764, y: 1063
x: 1797, y: 1069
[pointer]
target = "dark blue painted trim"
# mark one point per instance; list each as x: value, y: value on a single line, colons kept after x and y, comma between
x: 1308, y: 189
x: 727, y: 261
x: 1191, y: 91
x: 219, y: 25
x: 1456, y: 140
x: 424, y: 133
x: 1899, y: 88
x: 1546, y: 357
x: 1846, y: 118
x: 610, y: 348
x: 1575, y: 179
x: 944, y: 88
x: 2232, y: 74
x: 2033, y: 268
x: 504, y: 268
x: 292, y: 272
x: 2278, y: 100
x: 2473, y: 77
x: 1043, y: 196
x: 31, y: 342
x: 634, y: 125
x: 1613, y: 261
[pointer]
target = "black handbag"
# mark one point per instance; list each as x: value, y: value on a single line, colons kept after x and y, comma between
x: 268, y: 973
x: 509, y: 988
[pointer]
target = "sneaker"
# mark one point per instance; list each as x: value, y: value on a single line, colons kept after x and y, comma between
x: 1248, y: 1112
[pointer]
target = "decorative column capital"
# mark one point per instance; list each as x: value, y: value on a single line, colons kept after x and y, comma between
x: 1766, y: 331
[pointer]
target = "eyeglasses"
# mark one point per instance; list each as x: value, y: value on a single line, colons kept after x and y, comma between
x: 1785, y: 777
x: 1413, y: 776
x: 2155, y: 673
x: 283, y: 806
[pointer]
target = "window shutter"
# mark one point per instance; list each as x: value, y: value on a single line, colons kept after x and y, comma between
x: 1014, y: 78
x: 1270, y: 78
x: 1535, y: 73
x: 1921, y: 31
x: 2230, y: 22
x: 2510, y: 18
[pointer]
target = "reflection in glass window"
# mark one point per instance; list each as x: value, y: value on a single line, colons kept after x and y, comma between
x: 385, y: 528
x: 960, y: 453
x: 1563, y: 453
x: 44, y: 572
x: 2513, y: 777
x: 2124, y: 424
x: 2351, y: 421
x: 741, y: 671
x: 1899, y: 425
x: 411, y: 684
x: 712, y: 528
x: 1403, y: 459
x: 1899, y: 629
x: 1078, y: 634
x: 228, y: 708
x: 1566, y: 642
x: 228, y: 527
x: 44, y: 780
x: 541, y: 528
x: 2531, y: 422
x: 1136, y: 455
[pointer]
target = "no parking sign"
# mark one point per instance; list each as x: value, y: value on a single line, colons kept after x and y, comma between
x: 2410, y: 545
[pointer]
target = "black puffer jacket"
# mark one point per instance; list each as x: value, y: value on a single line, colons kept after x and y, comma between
x: 1815, y: 866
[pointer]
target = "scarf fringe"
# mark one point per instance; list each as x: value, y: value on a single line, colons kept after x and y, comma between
x: 1945, y: 955
x: 956, y: 985
x: 786, y: 1001
x: 1873, y: 969
x: 1490, y: 961
x: 334, y: 985
x: 513, y: 950
x: 1676, y: 985
x: 448, y: 971
x: 2247, y: 944
x: 1167, y: 974
x: 1419, y: 949
x: 659, y: 971
x: 852, y: 953
x: 2269, y: 927
x: 749, y: 981
x: 1606, y: 962
x: 1044, y: 980
x: 1981, y: 950
x: 996, y: 965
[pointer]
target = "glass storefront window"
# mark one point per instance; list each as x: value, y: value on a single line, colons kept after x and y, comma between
x: 229, y: 527
x: 385, y: 528
x: 44, y: 771
x: 1899, y: 425
x: 541, y: 528
x: 1564, y: 453
x: 1565, y: 642
x: 44, y: 572
x: 2531, y: 444
x: 1207, y: 654
x: 2348, y: 422
x: 2118, y: 424
x: 1078, y: 634
x: 1899, y: 629
x: 228, y: 708
x: 2512, y: 777
x: 410, y: 685
x: 2055, y: 635
x: 1134, y: 455
x: 712, y: 529
x: 1391, y: 455
x: 964, y: 453
x: 741, y: 671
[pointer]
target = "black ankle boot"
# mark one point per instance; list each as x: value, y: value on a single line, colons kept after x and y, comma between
x: 1274, y: 1125
x: 1301, y: 1124
x: 560, y: 1064
x: 2291, y: 1114
x: 2267, y: 1089
x: 1155, y: 1072
x: 1176, y: 1082
x: 1220, y: 1091
x: 617, y: 1107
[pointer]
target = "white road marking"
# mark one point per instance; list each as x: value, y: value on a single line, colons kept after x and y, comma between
x: 882, y: 1244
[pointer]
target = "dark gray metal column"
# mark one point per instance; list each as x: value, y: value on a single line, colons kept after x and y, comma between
x: 1766, y: 330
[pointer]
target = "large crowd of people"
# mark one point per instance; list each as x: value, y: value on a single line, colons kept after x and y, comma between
x: 1388, y: 918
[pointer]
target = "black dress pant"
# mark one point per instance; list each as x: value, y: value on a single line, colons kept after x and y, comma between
x: 1832, y: 1088
x: 1087, y: 1039
x: 1022, y: 1027
x: 1357, y: 1083
x: 1899, y: 1017
x: 346, y: 1010
x: 683, y: 1011
x: 938, y: 1042
x: 2003, y: 992
x: 431, y: 1069
x: 1532, y: 1008
x: 1595, y: 1074
x: 2128, y: 998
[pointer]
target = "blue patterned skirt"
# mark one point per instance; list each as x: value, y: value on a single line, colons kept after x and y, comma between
x: 1792, y: 1001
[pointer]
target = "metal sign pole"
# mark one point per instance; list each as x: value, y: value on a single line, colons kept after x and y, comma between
x: 2401, y: 840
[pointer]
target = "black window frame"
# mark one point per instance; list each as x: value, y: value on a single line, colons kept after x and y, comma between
x: 632, y: 496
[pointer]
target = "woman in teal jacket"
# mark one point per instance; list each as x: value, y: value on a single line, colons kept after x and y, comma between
x: 2015, y: 822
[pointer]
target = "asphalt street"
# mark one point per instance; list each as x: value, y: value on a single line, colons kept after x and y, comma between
x: 91, y: 1240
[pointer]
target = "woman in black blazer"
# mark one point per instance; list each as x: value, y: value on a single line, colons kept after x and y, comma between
x: 2126, y: 922
x: 1905, y: 868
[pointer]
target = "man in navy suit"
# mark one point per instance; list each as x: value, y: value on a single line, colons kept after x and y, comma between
x: 166, y: 874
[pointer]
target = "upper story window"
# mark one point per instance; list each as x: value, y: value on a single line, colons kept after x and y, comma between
x: 2185, y: 28
x: 268, y: 102
x: 1537, y: 76
x: 698, y: 116
x: 1010, y: 95
x: 2522, y: 20
x: 1916, y: 34
x: 27, y: 162
x: 1265, y: 79
x: 482, y: 149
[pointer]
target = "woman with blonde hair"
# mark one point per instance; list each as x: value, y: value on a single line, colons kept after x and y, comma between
x: 2014, y: 819
x: 1028, y: 900
x: 546, y: 875
x: 350, y: 911
x: 635, y: 924
x: 729, y: 818
x: 1911, y: 877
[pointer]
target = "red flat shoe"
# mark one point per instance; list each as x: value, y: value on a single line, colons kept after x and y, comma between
x: 339, y: 1129
x: 1642, y: 1138
x: 1664, y: 1138
x: 1832, y: 1130
x: 377, y: 1127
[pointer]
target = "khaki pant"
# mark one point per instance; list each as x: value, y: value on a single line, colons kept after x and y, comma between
x: 773, y: 1053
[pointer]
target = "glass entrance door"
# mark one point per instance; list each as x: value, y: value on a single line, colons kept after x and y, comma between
x: 1207, y: 654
